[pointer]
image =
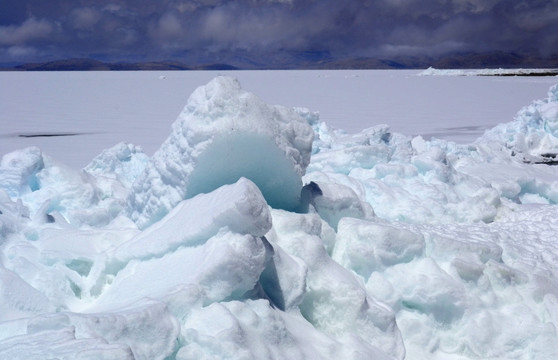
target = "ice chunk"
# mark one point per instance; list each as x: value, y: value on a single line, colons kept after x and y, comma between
x: 61, y: 344
x: 335, y: 201
x: 11, y: 215
x: 423, y: 286
x: 345, y: 159
x: 211, y: 241
x: 335, y: 196
x: 245, y: 155
x: 144, y: 332
x: 228, y: 265
x: 336, y: 301
x: 365, y: 246
x: 149, y: 331
x: 236, y: 330
x: 65, y: 263
x: 458, y: 244
x: 222, y: 134
x: 18, y: 299
x: 18, y: 171
x: 77, y: 196
x: 534, y: 131
x: 123, y: 162
x: 240, y: 207
x: 254, y: 330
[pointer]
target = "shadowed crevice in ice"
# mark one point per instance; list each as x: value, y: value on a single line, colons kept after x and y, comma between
x: 307, y: 195
x: 283, y: 280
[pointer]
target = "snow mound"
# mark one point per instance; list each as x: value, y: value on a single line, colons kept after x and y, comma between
x: 18, y: 171
x: 222, y: 134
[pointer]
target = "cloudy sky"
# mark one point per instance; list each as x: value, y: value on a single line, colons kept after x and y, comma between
x: 213, y: 30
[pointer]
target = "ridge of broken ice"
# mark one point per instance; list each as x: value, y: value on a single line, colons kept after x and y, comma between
x: 405, y: 248
x: 224, y: 133
x: 534, y: 131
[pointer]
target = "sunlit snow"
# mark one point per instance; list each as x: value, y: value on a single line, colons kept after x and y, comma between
x: 258, y: 231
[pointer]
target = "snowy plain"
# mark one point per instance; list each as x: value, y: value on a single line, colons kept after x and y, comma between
x: 248, y: 230
x: 139, y: 107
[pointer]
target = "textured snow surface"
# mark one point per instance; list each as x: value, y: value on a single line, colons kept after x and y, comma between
x: 395, y: 247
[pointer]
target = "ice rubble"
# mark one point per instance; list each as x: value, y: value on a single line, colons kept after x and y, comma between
x: 224, y: 133
x: 534, y: 132
x: 401, y: 247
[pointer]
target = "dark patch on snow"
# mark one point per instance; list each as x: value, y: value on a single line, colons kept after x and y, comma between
x: 542, y: 159
x: 534, y: 72
x: 33, y: 135
x: 46, y: 134
x: 546, y: 159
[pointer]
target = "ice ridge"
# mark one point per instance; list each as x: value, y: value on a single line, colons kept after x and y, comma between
x: 222, y: 134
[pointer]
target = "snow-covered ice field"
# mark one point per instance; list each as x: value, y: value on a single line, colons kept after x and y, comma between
x: 246, y: 230
x: 139, y: 107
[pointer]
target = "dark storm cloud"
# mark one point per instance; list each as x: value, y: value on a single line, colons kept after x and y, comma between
x: 149, y: 29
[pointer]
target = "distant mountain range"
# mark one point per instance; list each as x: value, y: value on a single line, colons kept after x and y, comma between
x: 95, y: 65
x: 306, y: 60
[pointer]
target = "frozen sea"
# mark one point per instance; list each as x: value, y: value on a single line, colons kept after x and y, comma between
x: 250, y: 230
x: 104, y: 108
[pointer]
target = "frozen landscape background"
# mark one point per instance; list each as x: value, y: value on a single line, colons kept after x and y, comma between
x: 139, y: 107
x: 248, y: 230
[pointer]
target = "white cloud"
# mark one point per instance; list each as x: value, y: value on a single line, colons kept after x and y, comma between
x: 31, y: 29
x: 112, y: 8
x: 84, y: 18
x: 169, y: 25
x: 431, y: 49
x: 474, y: 6
x: 21, y: 51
